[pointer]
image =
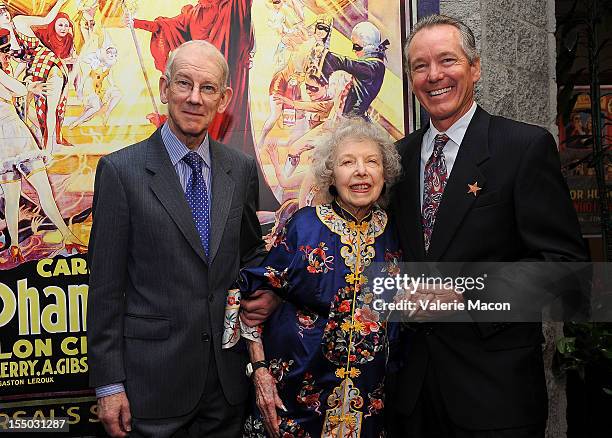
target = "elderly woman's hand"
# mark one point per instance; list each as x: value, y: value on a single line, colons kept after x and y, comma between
x: 267, y: 399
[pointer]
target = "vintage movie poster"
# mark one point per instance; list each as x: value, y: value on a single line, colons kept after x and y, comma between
x: 577, y: 158
x: 79, y: 80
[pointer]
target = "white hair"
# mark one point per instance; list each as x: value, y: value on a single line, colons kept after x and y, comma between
x: 324, y: 156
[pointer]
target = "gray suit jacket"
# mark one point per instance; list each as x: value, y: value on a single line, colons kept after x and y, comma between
x: 156, y: 304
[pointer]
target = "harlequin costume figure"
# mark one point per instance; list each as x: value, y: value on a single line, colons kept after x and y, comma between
x: 22, y: 160
x: 59, y: 37
x: 43, y: 65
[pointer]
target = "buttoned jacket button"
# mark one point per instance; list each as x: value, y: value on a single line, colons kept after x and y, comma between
x: 205, y: 337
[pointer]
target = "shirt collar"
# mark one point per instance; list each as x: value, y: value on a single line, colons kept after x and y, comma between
x: 456, y: 132
x: 177, y: 149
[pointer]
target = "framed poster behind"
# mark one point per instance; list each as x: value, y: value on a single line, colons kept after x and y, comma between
x: 89, y: 72
x: 576, y: 152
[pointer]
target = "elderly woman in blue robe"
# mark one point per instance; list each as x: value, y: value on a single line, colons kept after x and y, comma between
x: 319, y: 366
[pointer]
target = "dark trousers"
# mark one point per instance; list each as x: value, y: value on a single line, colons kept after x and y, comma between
x: 213, y: 417
x: 430, y: 419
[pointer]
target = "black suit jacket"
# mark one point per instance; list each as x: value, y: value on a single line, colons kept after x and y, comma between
x: 156, y: 303
x: 490, y: 374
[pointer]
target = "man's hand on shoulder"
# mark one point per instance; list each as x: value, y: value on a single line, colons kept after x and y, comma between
x: 114, y: 413
x: 258, y: 307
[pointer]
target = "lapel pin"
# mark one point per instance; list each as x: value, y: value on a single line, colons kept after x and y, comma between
x: 473, y: 188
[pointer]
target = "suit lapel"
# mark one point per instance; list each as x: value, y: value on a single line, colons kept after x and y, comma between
x: 409, y: 198
x: 456, y: 201
x: 167, y: 188
x: 222, y: 192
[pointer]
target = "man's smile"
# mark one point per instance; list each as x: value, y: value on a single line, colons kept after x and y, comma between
x: 440, y: 91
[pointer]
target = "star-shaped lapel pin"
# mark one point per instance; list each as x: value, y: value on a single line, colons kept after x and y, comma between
x: 473, y: 188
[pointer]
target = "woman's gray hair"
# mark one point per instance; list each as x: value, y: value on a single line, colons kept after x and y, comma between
x: 356, y: 128
x: 467, y: 40
x: 215, y: 53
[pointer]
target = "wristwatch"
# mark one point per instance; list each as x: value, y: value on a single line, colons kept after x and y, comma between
x: 252, y: 366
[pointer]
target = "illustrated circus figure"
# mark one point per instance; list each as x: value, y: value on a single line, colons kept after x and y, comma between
x: 42, y: 65
x: 87, y: 30
x: 368, y: 70
x: 100, y: 94
x: 285, y: 83
x: 285, y: 86
x: 59, y: 37
x: 321, y: 34
x: 20, y: 157
x: 287, y: 19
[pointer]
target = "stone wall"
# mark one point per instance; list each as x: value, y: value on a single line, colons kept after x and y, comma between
x: 517, y: 44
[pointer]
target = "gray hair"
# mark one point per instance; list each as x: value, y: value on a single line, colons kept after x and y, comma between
x: 216, y: 54
x: 467, y: 40
x: 324, y: 156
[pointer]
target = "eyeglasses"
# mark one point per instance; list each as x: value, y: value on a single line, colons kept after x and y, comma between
x: 312, y: 88
x: 322, y: 27
x: 182, y: 86
x: 357, y: 47
x: 276, y: 2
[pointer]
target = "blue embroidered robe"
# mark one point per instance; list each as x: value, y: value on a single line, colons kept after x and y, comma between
x: 326, y: 345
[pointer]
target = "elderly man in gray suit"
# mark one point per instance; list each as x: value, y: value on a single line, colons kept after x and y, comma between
x: 174, y: 219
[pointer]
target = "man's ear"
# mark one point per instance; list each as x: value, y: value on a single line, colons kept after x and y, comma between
x: 475, y: 68
x: 225, y: 99
x: 163, y: 89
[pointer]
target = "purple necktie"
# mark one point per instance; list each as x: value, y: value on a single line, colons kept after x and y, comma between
x: 434, y: 183
x: 197, y: 197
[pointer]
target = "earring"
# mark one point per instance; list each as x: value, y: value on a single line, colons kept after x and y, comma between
x: 332, y: 190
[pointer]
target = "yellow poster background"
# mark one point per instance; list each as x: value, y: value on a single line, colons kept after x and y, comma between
x: 108, y: 105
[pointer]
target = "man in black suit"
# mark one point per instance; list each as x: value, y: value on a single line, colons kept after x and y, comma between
x: 476, y: 188
x: 174, y: 219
